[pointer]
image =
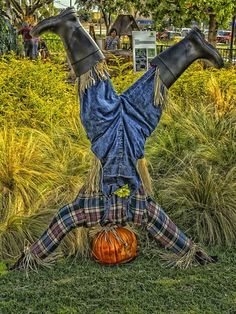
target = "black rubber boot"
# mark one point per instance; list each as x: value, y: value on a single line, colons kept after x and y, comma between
x: 203, y: 259
x: 18, y: 263
x: 176, y: 59
x: 81, y: 49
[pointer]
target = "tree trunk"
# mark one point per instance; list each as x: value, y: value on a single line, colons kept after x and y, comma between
x: 232, y: 39
x: 106, y: 20
x: 213, y: 27
x: 8, y: 8
x: 92, y: 32
x: 8, y: 5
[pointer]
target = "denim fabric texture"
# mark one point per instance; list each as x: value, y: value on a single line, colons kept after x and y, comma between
x: 118, y: 126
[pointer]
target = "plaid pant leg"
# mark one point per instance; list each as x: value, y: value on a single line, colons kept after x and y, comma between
x: 165, y: 232
x: 67, y: 218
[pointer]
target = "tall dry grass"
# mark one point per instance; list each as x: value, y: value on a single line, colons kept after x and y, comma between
x: 45, y: 154
x: 193, y: 156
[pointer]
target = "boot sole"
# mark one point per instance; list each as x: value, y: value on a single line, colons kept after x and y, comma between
x: 49, y: 22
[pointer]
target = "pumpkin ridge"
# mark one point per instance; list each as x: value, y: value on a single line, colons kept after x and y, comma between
x: 128, y: 244
x: 114, y: 245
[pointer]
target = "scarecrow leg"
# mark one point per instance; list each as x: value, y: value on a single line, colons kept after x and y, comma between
x: 165, y: 232
x: 118, y: 126
x: 66, y: 219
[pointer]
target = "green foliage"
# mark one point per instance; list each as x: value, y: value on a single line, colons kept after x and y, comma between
x: 54, y: 45
x: 29, y: 90
x: 203, y: 199
x: 193, y: 155
x: 223, y: 9
x: 106, y: 7
x: 44, y: 151
x: 122, y: 73
x: 45, y: 154
x: 39, y: 172
x: 7, y: 35
x: 3, y: 268
x: 1, y: 4
x: 23, y: 9
x: 182, y: 13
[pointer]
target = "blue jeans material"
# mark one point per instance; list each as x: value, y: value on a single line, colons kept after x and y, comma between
x: 118, y: 126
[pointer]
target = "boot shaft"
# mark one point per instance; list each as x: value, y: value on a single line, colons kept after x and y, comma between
x: 81, y: 49
x: 175, y: 60
x: 172, y: 62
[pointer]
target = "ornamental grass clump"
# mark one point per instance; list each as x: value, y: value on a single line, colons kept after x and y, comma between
x: 22, y: 167
x: 193, y: 156
x: 44, y: 151
x: 38, y: 174
x: 23, y: 179
x: 203, y: 200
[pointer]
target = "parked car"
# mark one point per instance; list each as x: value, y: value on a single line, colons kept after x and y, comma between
x: 205, y: 33
x: 185, y: 31
x: 223, y: 36
x: 169, y: 36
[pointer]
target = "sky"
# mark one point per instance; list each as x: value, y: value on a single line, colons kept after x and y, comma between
x: 63, y: 3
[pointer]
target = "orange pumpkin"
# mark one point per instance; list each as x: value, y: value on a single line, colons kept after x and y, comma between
x: 114, y: 245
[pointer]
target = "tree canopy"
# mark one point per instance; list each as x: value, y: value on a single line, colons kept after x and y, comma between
x: 106, y: 7
x: 21, y: 10
x: 179, y: 13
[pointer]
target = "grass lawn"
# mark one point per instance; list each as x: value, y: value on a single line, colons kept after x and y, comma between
x: 142, y: 286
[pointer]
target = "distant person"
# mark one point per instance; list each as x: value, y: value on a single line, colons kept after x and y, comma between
x: 35, y: 47
x: 27, y: 40
x: 112, y: 41
x: 43, y: 49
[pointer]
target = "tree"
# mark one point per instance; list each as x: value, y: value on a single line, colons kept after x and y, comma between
x: 106, y: 7
x: 217, y: 13
x: 165, y: 12
x: 23, y: 10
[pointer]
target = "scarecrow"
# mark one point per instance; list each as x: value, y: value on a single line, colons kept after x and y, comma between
x: 118, y: 190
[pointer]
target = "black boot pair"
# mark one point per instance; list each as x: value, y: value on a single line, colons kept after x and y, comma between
x: 84, y: 53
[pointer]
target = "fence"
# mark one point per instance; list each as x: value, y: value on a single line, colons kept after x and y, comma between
x: 229, y: 55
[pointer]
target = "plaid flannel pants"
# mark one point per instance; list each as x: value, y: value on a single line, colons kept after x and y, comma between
x: 89, y: 210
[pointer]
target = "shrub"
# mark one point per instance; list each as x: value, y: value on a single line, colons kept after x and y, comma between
x: 44, y: 150
x: 203, y: 200
x: 34, y: 94
x: 54, y: 44
x: 122, y: 73
x: 192, y: 154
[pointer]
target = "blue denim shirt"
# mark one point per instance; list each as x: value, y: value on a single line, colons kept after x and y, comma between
x: 118, y: 126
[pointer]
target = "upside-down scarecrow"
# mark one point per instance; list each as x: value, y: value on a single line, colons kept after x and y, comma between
x: 117, y: 127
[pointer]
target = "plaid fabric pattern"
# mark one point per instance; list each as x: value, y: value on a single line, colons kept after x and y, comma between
x: 164, y: 231
x: 89, y: 210
x: 66, y: 219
